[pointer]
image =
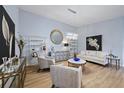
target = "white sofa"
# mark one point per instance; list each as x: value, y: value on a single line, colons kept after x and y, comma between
x: 66, y: 77
x: 94, y: 56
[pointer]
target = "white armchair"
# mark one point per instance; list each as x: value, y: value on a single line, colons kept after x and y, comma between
x: 45, y: 63
x: 66, y: 77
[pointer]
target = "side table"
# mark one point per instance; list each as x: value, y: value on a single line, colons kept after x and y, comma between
x: 81, y: 63
x: 116, y: 60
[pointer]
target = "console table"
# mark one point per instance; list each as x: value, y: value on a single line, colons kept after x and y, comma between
x: 61, y: 55
x: 14, y: 79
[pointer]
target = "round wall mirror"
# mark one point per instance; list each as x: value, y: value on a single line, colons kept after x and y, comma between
x: 56, y: 36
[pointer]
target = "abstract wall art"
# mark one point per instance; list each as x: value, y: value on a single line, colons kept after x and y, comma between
x: 7, y: 35
x: 94, y: 43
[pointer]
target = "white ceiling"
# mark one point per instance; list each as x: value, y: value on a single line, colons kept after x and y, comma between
x: 86, y: 14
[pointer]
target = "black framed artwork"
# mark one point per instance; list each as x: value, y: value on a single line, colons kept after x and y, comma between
x: 7, y: 35
x: 94, y: 43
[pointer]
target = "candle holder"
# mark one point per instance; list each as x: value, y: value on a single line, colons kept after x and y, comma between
x: 11, y: 68
x: 5, y: 63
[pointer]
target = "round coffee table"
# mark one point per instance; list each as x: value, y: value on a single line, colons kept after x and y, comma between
x: 81, y: 63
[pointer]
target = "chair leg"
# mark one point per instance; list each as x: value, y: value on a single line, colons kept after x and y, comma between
x: 53, y: 86
x: 39, y: 70
x: 82, y: 86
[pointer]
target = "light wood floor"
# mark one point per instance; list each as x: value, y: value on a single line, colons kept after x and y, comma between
x: 94, y: 76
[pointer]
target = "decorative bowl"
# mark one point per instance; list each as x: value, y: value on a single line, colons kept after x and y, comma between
x: 76, y: 59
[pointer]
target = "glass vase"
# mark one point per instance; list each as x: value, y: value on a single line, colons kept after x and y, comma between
x: 5, y: 63
x: 11, y: 65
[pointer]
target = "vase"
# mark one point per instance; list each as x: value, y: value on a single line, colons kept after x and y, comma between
x: 75, y: 55
x: 20, y: 50
x: 20, y: 55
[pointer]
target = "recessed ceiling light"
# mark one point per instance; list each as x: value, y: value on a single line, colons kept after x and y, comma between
x: 72, y: 11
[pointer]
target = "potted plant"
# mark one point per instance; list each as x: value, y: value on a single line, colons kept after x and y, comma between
x: 21, y: 44
x: 75, y: 55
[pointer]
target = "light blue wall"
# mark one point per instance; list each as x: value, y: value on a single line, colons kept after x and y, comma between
x: 35, y: 25
x: 112, y: 32
x: 13, y: 12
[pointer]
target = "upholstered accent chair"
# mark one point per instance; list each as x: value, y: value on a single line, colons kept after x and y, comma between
x: 45, y: 63
x: 66, y: 77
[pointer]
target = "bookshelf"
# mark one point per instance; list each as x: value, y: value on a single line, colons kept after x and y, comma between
x: 72, y: 40
x: 33, y: 42
x: 73, y: 47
